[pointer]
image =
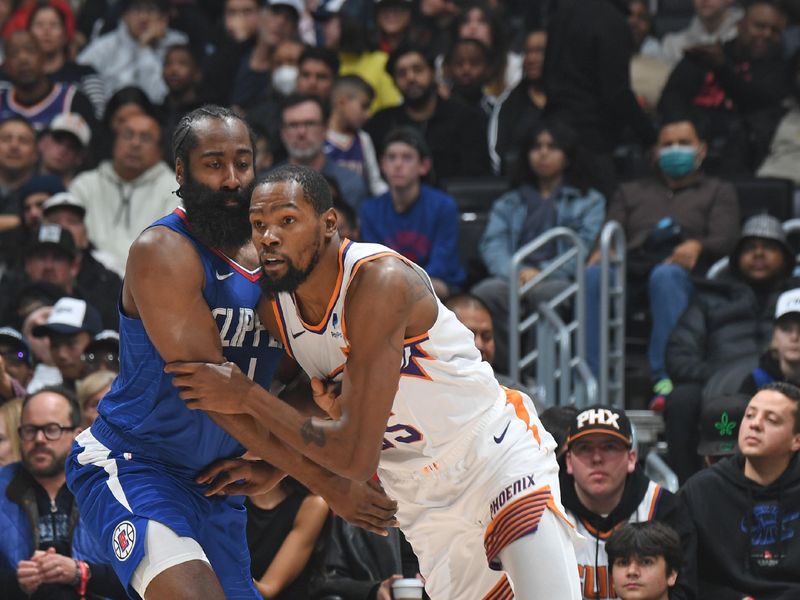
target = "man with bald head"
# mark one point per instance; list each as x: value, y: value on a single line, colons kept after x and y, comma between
x: 45, y: 551
x: 124, y: 195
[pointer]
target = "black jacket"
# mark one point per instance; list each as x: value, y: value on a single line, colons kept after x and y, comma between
x: 726, y: 320
x: 356, y: 561
x: 739, y: 551
x: 456, y: 134
x: 516, y: 115
x: 669, y: 511
x: 770, y: 371
x: 738, y: 102
x: 587, y: 74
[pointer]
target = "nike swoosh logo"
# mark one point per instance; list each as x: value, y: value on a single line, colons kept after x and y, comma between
x: 298, y: 334
x: 500, y: 438
x: 223, y: 277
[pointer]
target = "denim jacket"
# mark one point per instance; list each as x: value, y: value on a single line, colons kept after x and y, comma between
x: 582, y: 213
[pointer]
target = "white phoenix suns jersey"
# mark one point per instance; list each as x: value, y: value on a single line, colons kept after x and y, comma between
x: 593, y: 567
x: 444, y: 387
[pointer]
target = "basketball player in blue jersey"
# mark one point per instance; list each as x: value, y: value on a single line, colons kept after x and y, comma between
x: 472, y: 469
x: 190, y: 293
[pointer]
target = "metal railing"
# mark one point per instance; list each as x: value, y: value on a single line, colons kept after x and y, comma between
x: 612, y: 315
x: 560, y: 353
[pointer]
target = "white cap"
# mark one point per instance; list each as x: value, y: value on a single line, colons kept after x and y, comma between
x: 64, y: 199
x: 788, y: 303
x: 69, y: 316
x: 298, y: 5
x: 72, y: 123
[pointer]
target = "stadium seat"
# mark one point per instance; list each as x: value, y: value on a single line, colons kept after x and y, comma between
x: 769, y: 195
x: 475, y: 194
x: 470, y: 231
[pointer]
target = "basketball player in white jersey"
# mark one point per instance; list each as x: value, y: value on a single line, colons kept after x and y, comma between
x: 472, y: 469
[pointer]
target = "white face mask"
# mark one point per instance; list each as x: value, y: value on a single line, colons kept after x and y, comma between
x: 284, y: 79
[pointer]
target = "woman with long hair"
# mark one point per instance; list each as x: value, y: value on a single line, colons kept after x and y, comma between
x: 9, y: 439
x: 551, y: 187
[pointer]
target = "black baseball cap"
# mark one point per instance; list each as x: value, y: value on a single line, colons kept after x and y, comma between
x: 18, y: 341
x: 601, y: 419
x: 53, y: 236
x: 720, y: 419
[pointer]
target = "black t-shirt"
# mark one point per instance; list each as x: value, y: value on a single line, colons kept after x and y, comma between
x: 266, y: 531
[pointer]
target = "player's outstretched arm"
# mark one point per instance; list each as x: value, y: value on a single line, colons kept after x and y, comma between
x: 349, y: 446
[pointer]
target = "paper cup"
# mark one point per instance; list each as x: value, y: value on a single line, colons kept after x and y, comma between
x: 407, y: 589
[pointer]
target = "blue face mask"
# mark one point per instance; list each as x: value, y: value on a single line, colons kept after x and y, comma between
x: 677, y: 161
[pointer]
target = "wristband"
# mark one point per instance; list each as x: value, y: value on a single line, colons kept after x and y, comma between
x: 84, y: 579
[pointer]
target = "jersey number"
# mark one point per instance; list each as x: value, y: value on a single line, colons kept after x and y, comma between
x: 409, y: 435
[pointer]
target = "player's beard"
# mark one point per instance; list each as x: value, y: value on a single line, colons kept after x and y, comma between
x: 293, y: 277
x: 212, y: 221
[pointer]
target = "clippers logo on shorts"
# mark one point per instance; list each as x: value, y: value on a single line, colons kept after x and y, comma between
x: 123, y: 539
x: 511, y: 491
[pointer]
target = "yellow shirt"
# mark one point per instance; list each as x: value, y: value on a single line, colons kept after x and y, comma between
x: 371, y: 66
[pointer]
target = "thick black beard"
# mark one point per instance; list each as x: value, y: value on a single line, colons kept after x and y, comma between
x: 471, y: 94
x: 423, y: 99
x: 212, y: 222
x: 293, y: 278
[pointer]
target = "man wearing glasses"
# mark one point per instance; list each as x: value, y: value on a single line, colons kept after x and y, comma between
x: 604, y: 487
x: 45, y: 552
x: 303, y: 127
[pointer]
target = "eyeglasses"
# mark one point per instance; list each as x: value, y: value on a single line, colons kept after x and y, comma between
x: 52, y: 431
x: 95, y: 361
x: 297, y: 125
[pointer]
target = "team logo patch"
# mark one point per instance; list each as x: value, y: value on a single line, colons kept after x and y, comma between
x: 124, y: 539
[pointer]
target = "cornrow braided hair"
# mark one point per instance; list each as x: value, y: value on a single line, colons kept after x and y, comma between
x: 184, y: 140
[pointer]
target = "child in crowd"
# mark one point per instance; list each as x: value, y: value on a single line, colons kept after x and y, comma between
x: 345, y: 142
x: 644, y: 558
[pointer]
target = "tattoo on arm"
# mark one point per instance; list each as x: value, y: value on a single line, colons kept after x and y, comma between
x: 312, y: 435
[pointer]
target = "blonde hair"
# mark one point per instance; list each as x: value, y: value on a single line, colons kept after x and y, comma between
x: 91, y: 384
x: 10, y: 413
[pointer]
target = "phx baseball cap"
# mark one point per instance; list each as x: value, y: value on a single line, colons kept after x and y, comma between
x: 70, y: 316
x: 601, y: 419
x: 788, y: 303
x: 18, y: 341
x: 719, y: 425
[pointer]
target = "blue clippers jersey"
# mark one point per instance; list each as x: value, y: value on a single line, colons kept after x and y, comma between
x: 143, y: 414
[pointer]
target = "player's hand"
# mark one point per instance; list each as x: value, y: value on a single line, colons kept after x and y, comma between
x: 326, y: 396
x: 29, y: 576
x: 56, y: 568
x: 210, y: 387
x: 364, y: 505
x: 238, y: 476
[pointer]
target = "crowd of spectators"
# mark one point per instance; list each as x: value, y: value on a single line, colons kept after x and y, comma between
x: 646, y: 113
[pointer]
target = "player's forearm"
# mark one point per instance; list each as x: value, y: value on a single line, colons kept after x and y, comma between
x: 259, y: 441
x: 327, y: 443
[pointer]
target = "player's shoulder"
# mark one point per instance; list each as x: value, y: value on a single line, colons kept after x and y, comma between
x: 161, y: 247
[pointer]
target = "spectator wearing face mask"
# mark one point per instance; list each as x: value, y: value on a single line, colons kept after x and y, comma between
x: 676, y: 224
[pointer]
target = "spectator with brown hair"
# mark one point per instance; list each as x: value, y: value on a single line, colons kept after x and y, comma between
x: 90, y: 390
x: 18, y: 158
